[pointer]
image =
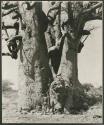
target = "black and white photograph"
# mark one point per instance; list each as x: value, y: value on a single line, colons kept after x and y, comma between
x: 52, y: 61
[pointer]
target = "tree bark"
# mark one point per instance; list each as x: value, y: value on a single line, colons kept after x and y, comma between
x: 34, y: 71
x: 55, y: 55
x: 68, y: 69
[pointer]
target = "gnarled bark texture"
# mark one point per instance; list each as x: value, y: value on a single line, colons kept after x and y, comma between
x: 67, y: 65
x: 34, y: 72
x: 63, y: 41
x: 69, y: 70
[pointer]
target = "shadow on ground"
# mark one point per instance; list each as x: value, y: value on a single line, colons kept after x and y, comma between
x: 10, y: 114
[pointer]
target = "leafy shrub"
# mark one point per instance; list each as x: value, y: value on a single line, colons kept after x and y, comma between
x: 88, y: 96
x: 79, y: 100
x: 87, y: 86
x: 93, y: 95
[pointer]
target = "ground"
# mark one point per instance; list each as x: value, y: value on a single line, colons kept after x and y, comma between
x: 10, y: 114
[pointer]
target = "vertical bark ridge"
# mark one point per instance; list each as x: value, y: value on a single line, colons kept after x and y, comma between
x: 34, y: 72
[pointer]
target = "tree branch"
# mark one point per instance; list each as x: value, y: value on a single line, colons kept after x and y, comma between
x: 17, y: 37
x: 94, y: 7
x: 54, y: 7
x: 95, y: 17
x: 6, y: 54
x: 12, y: 26
x: 29, y: 5
x: 9, y: 5
x: 89, y: 14
x: 9, y: 11
x: 89, y: 34
x: 33, y: 4
x: 18, y: 15
x: 8, y: 27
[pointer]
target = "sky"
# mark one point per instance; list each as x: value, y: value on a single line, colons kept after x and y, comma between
x: 89, y: 60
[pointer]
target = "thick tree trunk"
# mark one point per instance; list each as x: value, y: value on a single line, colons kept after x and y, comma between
x: 34, y: 72
x: 69, y: 71
x: 68, y: 66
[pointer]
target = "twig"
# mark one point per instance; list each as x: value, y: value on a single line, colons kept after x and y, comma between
x: 6, y: 54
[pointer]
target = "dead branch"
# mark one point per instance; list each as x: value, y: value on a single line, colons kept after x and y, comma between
x: 8, y: 27
x: 12, y: 26
x: 9, y: 5
x: 6, y: 54
x: 9, y: 11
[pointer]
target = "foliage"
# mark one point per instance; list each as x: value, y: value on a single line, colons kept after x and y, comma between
x: 93, y: 95
x: 79, y: 100
x: 82, y: 100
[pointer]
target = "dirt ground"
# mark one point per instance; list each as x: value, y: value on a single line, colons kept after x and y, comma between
x: 10, y: 114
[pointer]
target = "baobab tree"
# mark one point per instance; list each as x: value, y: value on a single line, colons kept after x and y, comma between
x: 78, y: 14
x: 63, y: 38
x: 34, y: 72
